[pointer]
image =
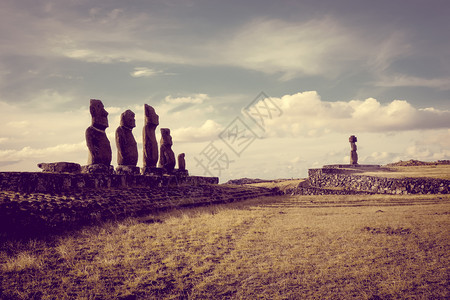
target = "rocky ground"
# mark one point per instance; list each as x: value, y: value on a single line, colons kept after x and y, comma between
x: 33, y: 214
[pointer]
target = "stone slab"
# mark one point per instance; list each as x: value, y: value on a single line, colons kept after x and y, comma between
x: 60, y: 167
x: 126, y: 170
x: 97, y: 169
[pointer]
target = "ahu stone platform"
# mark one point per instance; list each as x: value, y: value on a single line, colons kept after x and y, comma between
x: 347, y: 179
x: 352, y: 166
x: 41, y: 182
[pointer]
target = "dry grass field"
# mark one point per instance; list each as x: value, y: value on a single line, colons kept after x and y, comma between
x: 424, y: 171
x: 280, y: 183
x: 287, y: 247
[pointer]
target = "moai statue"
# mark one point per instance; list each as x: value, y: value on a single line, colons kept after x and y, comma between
x: 353, y: 155
x: 167, y: 157
x: 181, y: 162
x: 149, y: 139
x: 127, y: 152
x: 100, y: 155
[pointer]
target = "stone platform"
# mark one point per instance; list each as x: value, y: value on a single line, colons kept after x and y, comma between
x: 41, y: 182
x: 350, y: 166
x: 347, y: 179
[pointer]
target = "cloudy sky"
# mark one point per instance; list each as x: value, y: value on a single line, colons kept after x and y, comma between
x: 328, y: 69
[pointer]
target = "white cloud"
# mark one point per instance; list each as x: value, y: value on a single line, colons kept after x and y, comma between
x: 33, y: 153
x: 380, y: 157
x: 194, y: 99
x: 402, y: 80
x: 439, y: 138
x: 50, y: 99
x: 113, y: 110
x: 36, y: 126
x: 430, y: 145
x: 18, y: 124
x: 80, y: 49
x: 144, y: 72
x: 27, y: 158
x: 208, y: 131
x: 305, y: 114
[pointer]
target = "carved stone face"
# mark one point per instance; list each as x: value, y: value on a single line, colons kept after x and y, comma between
x: 127, y: 119
x: 150, y: 115
x: 99, y: 114
x: 165, y: 136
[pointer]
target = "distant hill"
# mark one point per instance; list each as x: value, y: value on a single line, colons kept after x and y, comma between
x: 246, y: 181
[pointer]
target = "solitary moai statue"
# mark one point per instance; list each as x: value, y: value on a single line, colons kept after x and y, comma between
x: 149, y: 139
x: 181, y: 162
x: 353, y: 155
x: 167, y: 157
x: 100, y: 154
x: 127, y: 152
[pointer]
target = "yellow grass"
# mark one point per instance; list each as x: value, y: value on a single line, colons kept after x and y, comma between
x: 426, y: 171
x: 296, y: 247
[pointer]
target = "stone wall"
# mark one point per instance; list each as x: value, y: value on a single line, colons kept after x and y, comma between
x: 37, y: 182
x: 40, y: 203
x: 304, y: 190
x: 345, y: 179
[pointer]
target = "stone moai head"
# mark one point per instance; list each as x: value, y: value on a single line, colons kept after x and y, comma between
x: 127, y: 119
x: 99, y: 114
x: 166, y: 139
x: 151, y: 118
x: 352, y: 139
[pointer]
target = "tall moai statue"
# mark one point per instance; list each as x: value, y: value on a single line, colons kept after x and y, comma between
x: 167, y: 157
x: 353, y: 155
x: 127, y: 152
x: 149, y: 141
x: 100, y: 155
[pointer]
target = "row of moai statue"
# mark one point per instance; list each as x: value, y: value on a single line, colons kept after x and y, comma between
x: 100, y: 154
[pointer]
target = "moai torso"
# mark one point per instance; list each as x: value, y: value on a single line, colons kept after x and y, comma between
x: 127, y: 152
x: 150, y: 153
x: 96, y: 139
x: 167, y: 157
